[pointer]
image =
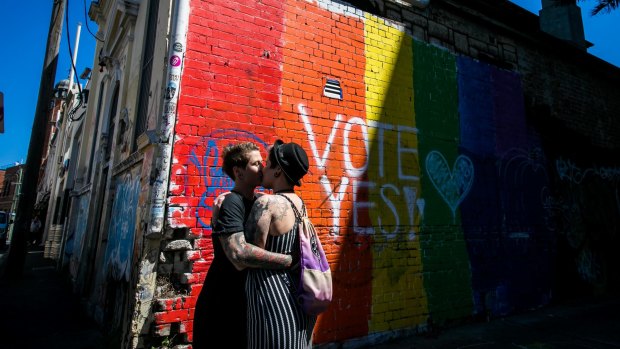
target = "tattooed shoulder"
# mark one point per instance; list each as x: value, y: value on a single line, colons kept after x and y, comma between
x: 279, y: 207
x: 261, y: 205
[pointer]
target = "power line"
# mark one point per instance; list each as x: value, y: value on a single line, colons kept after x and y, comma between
x: 87, y: 27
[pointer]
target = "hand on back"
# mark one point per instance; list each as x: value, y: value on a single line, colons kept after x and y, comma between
x: 217, y: 203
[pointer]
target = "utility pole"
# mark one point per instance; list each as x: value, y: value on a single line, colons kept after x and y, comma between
x: 17, y: 253
x: 17, y: 193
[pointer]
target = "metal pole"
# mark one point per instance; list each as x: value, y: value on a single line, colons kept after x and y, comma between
x: 16, y: 194
x: 77, y: 44
x: 176, y: 56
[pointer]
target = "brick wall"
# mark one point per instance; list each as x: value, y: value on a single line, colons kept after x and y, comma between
x: 435, y: 184
x: 8, y: 177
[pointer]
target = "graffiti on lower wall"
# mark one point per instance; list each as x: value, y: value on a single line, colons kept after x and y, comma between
x: 569, y: 171
x: 119, y: 250
x: 584, y: 212
x: 78, y: 237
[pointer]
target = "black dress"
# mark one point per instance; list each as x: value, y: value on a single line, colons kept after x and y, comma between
x: 221, y: 315
x: 275, y: 318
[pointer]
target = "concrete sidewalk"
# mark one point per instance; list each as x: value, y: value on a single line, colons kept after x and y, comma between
x: 40, y: 311
x: 592, y: 324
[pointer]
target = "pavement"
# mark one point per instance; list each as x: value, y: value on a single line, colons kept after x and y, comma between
x: 40, y: 311
x: 592, y: 324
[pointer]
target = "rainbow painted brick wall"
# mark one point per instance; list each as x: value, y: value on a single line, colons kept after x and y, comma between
x: 432, y: 194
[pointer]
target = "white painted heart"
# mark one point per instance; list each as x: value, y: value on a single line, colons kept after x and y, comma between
x: 452, y: 184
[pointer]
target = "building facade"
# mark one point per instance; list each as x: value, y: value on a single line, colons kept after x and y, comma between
x: 10, y: 180
x: 464, y: 163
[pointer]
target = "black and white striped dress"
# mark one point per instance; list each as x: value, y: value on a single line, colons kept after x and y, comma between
x: 275, y: 318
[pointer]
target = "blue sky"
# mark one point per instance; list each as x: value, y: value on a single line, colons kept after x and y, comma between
x: 601, y: 30
x: 25, y: 25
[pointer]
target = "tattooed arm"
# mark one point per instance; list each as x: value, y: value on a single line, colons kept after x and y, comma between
x: 243, y: 254
x: 270, y: 215
x: 259, y: 222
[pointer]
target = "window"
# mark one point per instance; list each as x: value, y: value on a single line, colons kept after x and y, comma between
x: 111, y: 118
x: 96, y: 133
x: 147, y: 68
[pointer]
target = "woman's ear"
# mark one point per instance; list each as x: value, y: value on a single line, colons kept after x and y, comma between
x: 277, y: 172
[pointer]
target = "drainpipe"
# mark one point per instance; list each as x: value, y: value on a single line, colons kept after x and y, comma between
x: 162, y: 139
x: 165, y: 136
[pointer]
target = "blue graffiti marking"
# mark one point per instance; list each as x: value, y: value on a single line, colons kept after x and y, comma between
x: 119, y: 251
x: 210, y: 169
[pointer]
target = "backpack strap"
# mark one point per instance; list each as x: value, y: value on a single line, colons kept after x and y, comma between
x: 297, y: 213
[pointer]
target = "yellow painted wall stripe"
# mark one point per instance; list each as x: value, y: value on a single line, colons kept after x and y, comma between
x: 398, y: 296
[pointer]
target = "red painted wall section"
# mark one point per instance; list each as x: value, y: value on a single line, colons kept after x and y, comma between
x: 318, y: 45
x: 248, y: 76
x: 231, y: 80
x: 230, y: 91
